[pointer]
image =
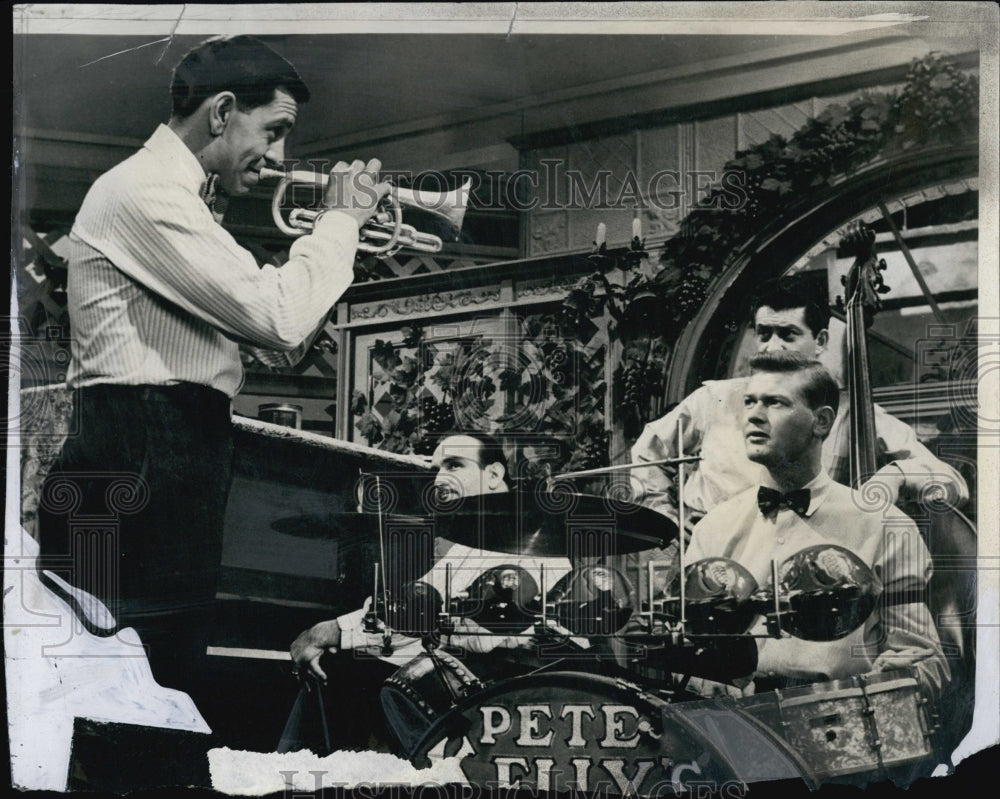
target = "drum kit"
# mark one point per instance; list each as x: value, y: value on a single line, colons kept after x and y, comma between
x: 704, y: 624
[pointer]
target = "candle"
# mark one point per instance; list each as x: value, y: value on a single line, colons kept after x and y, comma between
x: 636, y: 228
x: 602, y: 231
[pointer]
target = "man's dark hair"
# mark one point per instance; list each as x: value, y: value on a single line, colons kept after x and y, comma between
x: 794, y: 291
x: 491, y: 451
x: 242, y: 65
x: 819, y: 388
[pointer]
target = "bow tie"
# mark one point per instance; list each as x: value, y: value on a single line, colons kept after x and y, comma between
x: 770, y: 501
x: 215, y: 198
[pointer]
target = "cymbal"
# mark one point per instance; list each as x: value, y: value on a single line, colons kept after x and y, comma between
x: 554, y: 524
x: 340, y: 525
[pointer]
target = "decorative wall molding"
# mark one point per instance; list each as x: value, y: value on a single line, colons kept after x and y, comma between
x: 422, y: 304
x: 544, y: 287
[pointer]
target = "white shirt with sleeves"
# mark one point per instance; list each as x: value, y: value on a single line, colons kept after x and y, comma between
x: 160, y: 293
x: 886, y: 540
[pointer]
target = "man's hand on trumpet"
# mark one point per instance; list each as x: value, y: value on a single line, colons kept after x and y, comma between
x: 353, y: 189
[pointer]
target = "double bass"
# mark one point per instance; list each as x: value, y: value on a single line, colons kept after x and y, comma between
x: 949, y: 535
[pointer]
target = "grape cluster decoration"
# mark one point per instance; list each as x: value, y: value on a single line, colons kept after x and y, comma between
x: 640, y: 381
x: 591, y: 451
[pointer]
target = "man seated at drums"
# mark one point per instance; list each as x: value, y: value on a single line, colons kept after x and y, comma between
x: 789, y: 407
x: 787, y: 317
x: 467, y: 465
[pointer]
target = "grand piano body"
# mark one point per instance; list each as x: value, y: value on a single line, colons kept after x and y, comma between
x: 290, y: 561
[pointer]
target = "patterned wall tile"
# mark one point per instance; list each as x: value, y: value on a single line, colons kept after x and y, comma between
x: 658, y: 150
x: 715, y: 143
x: 583, y: 226
x: 614, y: 155
x: 547, y: 232
x: 756, y: 127
x: 551, y: 176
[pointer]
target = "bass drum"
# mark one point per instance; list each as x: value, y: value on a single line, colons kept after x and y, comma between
x: 563, y: 731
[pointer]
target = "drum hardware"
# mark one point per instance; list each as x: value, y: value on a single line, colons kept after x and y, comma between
x: 872, y: 723
x: 682, y: 525
x: 372, y: 623
x: 387, y: 633
x: 446, y: 624
x: 424, y: 691
x: 625, y: 467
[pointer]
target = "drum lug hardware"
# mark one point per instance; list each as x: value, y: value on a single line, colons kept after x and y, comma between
x: 647, y: 728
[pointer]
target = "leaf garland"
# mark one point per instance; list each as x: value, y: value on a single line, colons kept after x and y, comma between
x: 938, y: 105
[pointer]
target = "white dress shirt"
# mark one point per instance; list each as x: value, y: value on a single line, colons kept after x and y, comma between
x: 711, y: 423
x: 886, y: 540
x: 159, y: 293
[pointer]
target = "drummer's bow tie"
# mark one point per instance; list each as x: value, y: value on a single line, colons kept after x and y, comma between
x: 215, y: 198
x: 770, y: 501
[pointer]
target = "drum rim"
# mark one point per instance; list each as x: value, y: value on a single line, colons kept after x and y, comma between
x: 851, y: 686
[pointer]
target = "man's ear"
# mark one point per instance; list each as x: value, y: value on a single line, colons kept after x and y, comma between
x: 220, y: 110
x: 494, y: 475
x: 823, y: 421
x: 822, y: 340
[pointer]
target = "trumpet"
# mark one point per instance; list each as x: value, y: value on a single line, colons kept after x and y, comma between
x: 384, y: 233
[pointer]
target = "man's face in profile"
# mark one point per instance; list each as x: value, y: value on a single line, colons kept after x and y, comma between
x: 460, y: 472
x: 254, y: 139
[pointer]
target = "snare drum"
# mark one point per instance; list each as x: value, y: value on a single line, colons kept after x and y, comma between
x: 869, y: 723
x: 420, y: 692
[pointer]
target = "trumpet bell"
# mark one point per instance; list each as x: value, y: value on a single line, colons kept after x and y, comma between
x: 384, y: 233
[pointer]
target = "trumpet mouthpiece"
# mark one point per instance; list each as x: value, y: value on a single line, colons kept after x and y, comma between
x: 295, y: 176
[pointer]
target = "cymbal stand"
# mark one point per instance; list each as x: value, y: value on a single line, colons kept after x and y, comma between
x: 387, y: 648
x: 774, y: 618
x: 445, y: 621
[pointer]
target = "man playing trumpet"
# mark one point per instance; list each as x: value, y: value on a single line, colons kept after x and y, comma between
x: 160, y: 299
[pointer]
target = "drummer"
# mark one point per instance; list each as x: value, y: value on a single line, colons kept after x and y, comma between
x: 789, y: 406
x: 469, y: 464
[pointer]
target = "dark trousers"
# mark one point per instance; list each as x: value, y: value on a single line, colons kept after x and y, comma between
x: 132, y: 512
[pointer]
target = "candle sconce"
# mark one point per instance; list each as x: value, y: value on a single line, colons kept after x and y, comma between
x: 630, y: 299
